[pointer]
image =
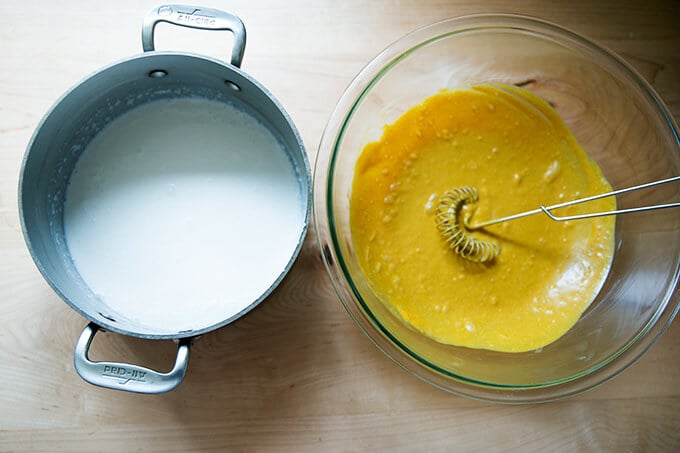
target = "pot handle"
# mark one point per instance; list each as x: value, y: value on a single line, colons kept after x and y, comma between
x: 196, y: 17
x: 123, y: 376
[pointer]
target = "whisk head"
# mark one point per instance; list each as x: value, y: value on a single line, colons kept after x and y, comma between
x: 452, y: 228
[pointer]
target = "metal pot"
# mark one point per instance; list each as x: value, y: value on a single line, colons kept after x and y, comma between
x: 79, y: 116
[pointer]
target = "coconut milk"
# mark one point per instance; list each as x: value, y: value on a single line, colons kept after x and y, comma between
x: 182, y: 213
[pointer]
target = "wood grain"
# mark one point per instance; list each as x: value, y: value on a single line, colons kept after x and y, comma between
x: 295, y: 374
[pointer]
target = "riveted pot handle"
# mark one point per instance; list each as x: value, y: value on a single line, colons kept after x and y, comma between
x: 196, y: 17
x: 123, y: 376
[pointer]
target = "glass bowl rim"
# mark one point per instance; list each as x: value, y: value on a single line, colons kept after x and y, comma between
x: 342, y: 281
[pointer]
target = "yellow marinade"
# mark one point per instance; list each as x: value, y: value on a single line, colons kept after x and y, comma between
x: 518, y: 153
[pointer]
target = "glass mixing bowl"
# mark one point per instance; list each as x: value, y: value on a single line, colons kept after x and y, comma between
x: 616, y: 117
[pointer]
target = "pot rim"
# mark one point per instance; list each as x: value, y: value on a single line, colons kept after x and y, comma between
x: 304, y: 178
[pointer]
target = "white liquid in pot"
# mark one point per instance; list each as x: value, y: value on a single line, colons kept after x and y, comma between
x: 181, y: 213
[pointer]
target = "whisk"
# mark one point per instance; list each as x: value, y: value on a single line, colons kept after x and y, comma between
x: 457, y: 232
x: 456, y: 235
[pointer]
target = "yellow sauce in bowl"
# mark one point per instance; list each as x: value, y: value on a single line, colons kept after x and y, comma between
x: 518, y: 153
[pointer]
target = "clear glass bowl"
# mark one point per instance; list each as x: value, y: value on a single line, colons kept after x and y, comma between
x: 616, y: 117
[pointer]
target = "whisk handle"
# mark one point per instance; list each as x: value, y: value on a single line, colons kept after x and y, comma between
x: 606, y: 213
x: 547, y: 209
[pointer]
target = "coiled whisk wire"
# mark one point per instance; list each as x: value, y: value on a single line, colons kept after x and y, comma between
x: 447, y: 217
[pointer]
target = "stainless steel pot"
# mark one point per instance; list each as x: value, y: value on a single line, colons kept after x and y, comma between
x: 79, y: 116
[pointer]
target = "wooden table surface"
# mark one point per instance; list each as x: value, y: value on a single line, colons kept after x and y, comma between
x: 295, y: 374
